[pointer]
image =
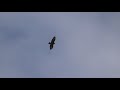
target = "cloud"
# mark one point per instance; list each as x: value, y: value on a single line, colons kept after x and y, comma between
x: 87, y: 44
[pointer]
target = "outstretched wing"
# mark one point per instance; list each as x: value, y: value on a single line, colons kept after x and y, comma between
x: 53, y: 40
x: 51, y: 46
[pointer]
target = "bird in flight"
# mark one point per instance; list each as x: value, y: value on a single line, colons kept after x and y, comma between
x: 52, y: 42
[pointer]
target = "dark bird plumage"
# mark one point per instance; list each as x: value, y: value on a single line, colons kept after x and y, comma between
x: 52, y: 42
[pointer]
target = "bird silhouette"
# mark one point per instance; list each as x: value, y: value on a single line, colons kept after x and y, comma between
x: 52, y: 42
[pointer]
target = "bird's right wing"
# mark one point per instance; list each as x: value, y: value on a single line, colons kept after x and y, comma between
x: 51, y: 46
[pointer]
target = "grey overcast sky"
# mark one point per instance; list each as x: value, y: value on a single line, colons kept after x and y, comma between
x: 87, y: 44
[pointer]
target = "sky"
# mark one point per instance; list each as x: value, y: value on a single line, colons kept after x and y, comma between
x: 87, y: 45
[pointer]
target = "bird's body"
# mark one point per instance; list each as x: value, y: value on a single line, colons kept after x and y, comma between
x: 52, y: 42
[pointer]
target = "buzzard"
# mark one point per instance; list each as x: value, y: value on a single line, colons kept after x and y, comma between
x: 52, y: 42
